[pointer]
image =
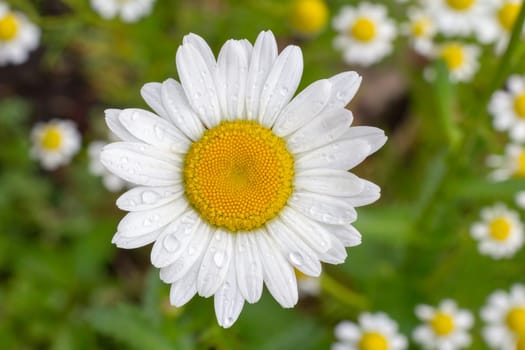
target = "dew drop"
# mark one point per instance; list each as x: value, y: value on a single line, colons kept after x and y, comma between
x: 149, y: 197
x: 147, y: 222
x: 296, y: 258
x: 159, y: 131
x: 340, y: 96
x: 124, y: 160
x: 218, y: 259
x: 171, y: 243
x: 284, y: 91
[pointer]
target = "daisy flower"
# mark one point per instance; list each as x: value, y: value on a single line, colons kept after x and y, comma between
x: 500, y: 233
x: 508, y: 108
x: 500, y: 23
x: 504, y: 316
x: 18, y: 36
x: 128, y: 10
x: 238, y: 183
x: 445, y: 327
x: 421, y: 31
x: 373, y: 332
x: 461, y: 60
x: 308, y: 17
x: 509, y: 165
x: 459, y: 17
x: 110, y: 181
x: 365, y: 33
x: 55, y: 142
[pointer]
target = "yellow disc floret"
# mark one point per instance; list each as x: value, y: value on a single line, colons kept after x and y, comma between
x: 519, y: 105
x: 308, y: 16
x: 454, y: 56
x: 420, y: 26
x: 507, y: 15
x: 442, y: 324
x: 373, y: 341
x: 499, y: 229
x: 8, y: 27
x: 363, y: 29
x: 51, y: 138
x: 460, y: 5
x: 520, y: 344
x: 239, y: 175
x: 516, y: 320
x: 519, y: 170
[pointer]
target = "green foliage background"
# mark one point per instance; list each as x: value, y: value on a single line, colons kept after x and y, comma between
x: 63, y: 285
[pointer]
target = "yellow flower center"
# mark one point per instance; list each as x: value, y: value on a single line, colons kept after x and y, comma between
x: 453, y: 55
x: 363, y: 29
x: 499, y: 229
x: 520, y: 344
x: 460, y: 5
x: 308, y: 16
x: 516, y: 320
x: 519, y: 105
x: 239, y: 175
x: 51, y: 138
x: 520, y: 165
x: 420, y: 27
x: 442, y: 324
x: 8, y: 27
x: 373, y: 341
x: 507, y: 15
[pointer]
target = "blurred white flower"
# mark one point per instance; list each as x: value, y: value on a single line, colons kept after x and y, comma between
x: 373, y: 331
x: 500, y: 233
x: 18, y: 36
x: 461, y: 59
x: 520, y: 199
x: 420, y: 30
x: 365, y: 33
x: 510, y: 164
x: 238, y: 181
x: 445, y: 327
x: 500, y: 23
x: 507, y: 108
x: 55, y: 142
x: 112, y: 182
x: 504, y: 316
x: 128, y: 10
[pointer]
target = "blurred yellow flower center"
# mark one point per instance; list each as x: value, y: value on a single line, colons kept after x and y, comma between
x: 51, y: 138
x: 519, y: 105
x: 516, y: 320
x: 363, y: 29
x: 520, y: 165
x: 499, y: 229
x: 308, y: 16
x: 420, y: 27
x: 453, y: 55
x: 239, y: 175
x: 460, y: 5
x: 507, y: 15
x: 442, y: 324
x: 8, y: 27
x: 520, y: 344
x: 373, y: 341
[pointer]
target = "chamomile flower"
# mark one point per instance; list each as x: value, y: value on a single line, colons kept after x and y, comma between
x: 128, y: 10
x: 500, y: 233
x: 507, y: 108
x: 504, y: 317
x: 461, y: 60
x: 459, y: 17
x: 18, y: 36
x: 501, y: 23
x: 445, y: 327
x: 112, y: 182
x: 365, y: 33
x: 372, y: 332
x: 421, y: 30
x: 308, y: 17
x: 238, y: 183
x: 55, y: 142
x: 509, y: 165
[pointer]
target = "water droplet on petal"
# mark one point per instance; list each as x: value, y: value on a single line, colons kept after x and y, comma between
x: 296, y: 258
x: 171, y: 243
x: 147, y: 222
x: 218, y: 259
x: 149, y: 197
x: 124, y: 160
x: 159, y: 131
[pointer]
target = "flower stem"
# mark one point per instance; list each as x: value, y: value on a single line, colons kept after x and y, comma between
x: 342, y: 293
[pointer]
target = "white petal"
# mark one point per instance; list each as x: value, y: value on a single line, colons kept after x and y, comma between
x: 228, y: 300
x: 337, y: 252
x: 215, y: 263
x: 342, y: 154
x: 298, y: 253
x: 279, y: 275
x: 370, y: 193
x: 329, y: 182
x: 174, y: 240
x: 202, y: 47
x: 194, y: 255
x: 179, y: 110
x: 185, y: 288
x: 325, y: 128
x: 197, y: 80
x: 347, y: 234
x: 158, y: 132
x: 141, y: 164
x: 310, y: 232
x: 139, y: 222
x: 248, y: 266
x: 303, y: 108
x: 262, y: 59
x: 147, y: 197
x: 344, y: 88
x: 322, y: 208
x: 374, y: 136
x: 232, y: 68
x: 150, y: 92
x: 280, y: 85
x: 136, y: 241
x: 116, y: 126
